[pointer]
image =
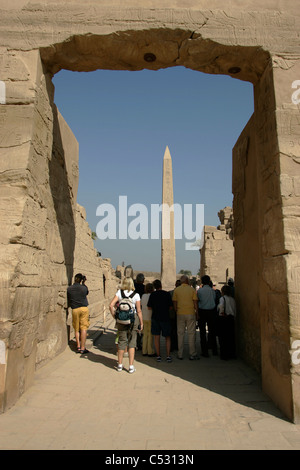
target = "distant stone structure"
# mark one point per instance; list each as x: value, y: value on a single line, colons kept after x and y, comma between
x: 150, y: 276
x: 217, y: 252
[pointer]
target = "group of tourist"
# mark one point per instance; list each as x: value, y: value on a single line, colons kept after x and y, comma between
x: 158, y: 312
x: 172, y: 314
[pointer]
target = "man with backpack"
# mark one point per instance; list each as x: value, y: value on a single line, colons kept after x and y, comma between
x: 128, y: 317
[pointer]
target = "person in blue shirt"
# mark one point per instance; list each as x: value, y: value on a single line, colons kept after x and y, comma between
x: 207, y: 316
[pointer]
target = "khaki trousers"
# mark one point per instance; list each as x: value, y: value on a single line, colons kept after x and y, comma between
x: 186, y: 322
x: 147, y: 338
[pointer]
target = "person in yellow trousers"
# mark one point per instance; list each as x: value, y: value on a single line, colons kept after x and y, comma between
x: 77, y: 301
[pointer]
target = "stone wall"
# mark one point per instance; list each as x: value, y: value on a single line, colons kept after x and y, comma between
x: 217, y: 252
x: 101, y: 279
x: 279, y: 228
x: 37, y: 243
x: 247, y: 246
x: 249, y: 40
x: 42, y: 232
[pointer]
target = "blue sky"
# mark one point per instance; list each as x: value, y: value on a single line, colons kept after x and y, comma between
x: 123, y: 122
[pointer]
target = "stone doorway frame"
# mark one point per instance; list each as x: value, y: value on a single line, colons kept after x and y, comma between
x: 268, y: 150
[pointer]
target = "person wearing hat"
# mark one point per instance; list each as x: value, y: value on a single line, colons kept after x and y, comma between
x: 77, y: 301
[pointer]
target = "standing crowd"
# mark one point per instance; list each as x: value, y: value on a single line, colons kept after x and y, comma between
x: 144, y: 313
x: 174, y: 314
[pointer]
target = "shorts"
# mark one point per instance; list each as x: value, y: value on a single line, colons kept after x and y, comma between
x: 80, y: 318
x: 163, y: 327
x: 127, y: 336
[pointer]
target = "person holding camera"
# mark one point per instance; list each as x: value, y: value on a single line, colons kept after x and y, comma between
x: 77, y: 301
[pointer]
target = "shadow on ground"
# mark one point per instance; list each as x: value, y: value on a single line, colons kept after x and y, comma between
x: 101, y: 359
x: 233, y: 379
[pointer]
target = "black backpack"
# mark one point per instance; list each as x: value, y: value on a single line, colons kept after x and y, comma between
x: 126, y: 309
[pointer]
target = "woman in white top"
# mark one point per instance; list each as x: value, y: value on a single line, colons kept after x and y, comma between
x: 226, y: 326
x: 226, y: 303
x: 127, y: 334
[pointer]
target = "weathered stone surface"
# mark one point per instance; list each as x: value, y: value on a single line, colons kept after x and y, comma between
x: 37, y: 236
x: 249, y: 40
x: 168, y: 252
x: 192, y: 45
x: 217, y: 252
x: 101, y: 280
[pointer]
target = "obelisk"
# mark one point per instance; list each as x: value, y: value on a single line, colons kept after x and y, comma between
x: 168, y: 252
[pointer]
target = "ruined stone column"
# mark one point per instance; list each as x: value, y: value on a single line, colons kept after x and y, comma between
x: 168, y: 253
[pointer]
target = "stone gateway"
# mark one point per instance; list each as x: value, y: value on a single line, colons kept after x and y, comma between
x: 250, y: 40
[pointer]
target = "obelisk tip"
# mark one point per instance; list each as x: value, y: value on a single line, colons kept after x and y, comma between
x: 167, y: 153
